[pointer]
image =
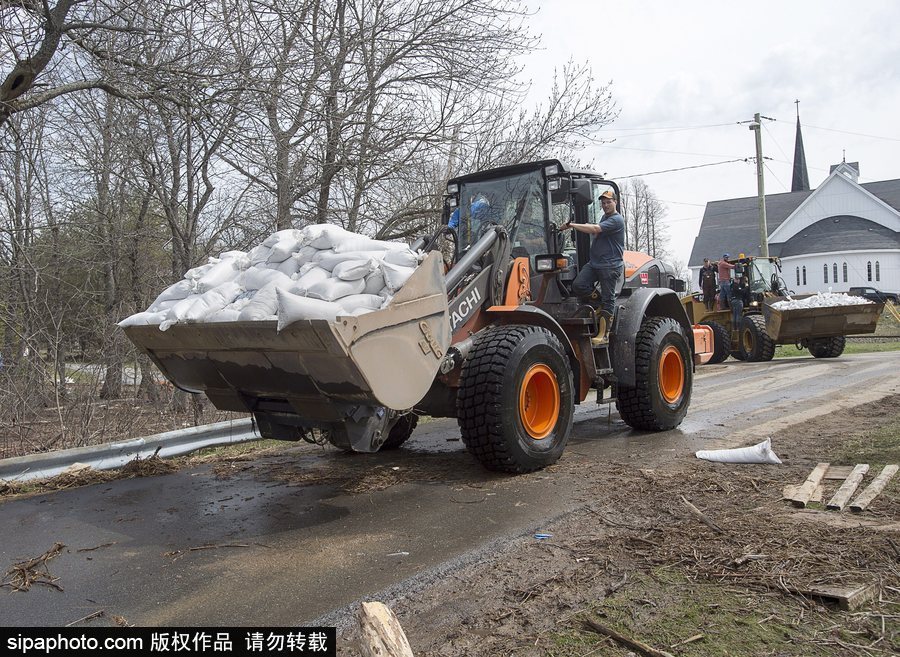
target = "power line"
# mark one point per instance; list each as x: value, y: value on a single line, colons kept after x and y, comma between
x: 846, y: 132
x: 696, y: 166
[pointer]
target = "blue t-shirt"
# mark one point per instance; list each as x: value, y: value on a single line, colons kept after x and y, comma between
x: 608, y: 247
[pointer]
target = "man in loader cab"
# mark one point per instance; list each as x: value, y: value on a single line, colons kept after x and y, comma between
x: 607, y: 263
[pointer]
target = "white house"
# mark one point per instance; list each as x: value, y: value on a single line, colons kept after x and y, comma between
x: 839, y: 235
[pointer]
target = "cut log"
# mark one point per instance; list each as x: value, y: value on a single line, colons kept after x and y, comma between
x: 872, y: 490
x: 805, y: 492
x: 380, y: 632
x: 845, y: 492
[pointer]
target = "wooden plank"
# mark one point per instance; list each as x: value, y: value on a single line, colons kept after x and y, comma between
x: 848, y: 596
x: 838, y: 472
x: 845, y: 492
x: 790, y: 491
x: 807, y: 488
x: 381, y: 633
x: 872, y: 490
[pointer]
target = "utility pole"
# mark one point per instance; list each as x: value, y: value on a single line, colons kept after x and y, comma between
x: 756, y: 126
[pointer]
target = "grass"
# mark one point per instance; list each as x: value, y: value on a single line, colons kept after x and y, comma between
x: 877, y: 447
x: 791, y: 351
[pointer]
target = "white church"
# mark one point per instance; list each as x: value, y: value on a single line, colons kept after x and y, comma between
x: 842, y: 234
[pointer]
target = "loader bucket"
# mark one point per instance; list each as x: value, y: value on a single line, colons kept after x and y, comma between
x: 790, y: 326
x: 321, y: 371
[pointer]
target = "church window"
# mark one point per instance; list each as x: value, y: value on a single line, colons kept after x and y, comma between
x: 834, y: 269
x: 826, y: 272
x: 845, y: 272
x: 869, y: 271
x: 877, y: 271
x: 804, y: 274
x: 798, y: 275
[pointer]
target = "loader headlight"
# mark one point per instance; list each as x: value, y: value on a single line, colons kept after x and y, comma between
x: 553, y: 184
x: 549, y: 262
x: 453, y: 188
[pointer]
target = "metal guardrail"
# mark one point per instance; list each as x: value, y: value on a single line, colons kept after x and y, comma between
x: 116, y: 455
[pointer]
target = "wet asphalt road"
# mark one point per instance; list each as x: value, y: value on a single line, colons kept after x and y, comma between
x: 258, y: 548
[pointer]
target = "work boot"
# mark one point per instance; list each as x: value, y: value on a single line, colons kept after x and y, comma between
x: 604, y: 323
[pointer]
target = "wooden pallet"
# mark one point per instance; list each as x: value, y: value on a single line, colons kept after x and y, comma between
x: 812, y: 490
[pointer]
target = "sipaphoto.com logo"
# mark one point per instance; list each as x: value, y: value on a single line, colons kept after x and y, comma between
x: 47, y: 644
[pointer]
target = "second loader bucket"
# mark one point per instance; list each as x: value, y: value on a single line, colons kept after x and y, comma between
x: 790, y: 326
x: 353, y: 376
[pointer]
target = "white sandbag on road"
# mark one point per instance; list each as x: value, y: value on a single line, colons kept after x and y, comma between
x: 760, y: 453
x: 292, y: 308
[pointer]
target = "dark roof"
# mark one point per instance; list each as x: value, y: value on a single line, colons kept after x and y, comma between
x: 732, y: 225
x: 840, y: 233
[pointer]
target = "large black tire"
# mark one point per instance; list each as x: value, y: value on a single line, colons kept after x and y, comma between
x: 756, y: 345
x: 721, y: 342
x: 828, y: 347
x: 663, y: 377
x: 401, y: 431
x: 515, y: 402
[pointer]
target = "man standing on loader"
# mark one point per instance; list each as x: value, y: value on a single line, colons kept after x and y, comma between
x: 725, y: 269
x: 607, y: 263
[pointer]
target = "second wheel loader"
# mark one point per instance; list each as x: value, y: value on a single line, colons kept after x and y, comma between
x: 497, y: 340
x: 763, y: 325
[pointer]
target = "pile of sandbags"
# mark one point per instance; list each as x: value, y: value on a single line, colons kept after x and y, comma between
x: 319, y: 272
x: 821, y: 300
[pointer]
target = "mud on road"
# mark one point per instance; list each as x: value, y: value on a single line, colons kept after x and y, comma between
x: 633, y: 558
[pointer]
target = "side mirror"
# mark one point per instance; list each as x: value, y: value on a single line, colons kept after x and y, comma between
x: 581, y: 192
x: 559, y: 189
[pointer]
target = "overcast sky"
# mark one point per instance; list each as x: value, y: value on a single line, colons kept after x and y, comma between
x: 678, y: 65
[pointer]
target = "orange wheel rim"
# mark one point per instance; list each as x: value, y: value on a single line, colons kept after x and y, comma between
x: 671, y: 374
x: 539, y: 401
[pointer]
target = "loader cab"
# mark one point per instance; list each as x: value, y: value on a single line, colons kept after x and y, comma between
x: 530, y: 202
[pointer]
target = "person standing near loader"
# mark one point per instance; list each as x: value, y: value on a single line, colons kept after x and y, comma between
x: 708, y: 284
x: 607, y: 262
x: 725, y: 268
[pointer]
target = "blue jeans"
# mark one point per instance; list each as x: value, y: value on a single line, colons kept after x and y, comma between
x: 608, y: 277
x: 724, y: 294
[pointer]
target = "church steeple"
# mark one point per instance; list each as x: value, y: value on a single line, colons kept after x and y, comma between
x: 800, y: 182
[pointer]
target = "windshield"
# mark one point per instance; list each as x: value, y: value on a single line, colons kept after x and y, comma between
x: 761, y: 275
x: 516, y: 202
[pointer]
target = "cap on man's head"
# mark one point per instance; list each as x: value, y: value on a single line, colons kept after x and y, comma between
x: 608, y: 194
x: 725, y: 255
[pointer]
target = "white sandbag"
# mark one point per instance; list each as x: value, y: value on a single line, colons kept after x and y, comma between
x: 175, y: 292
x: 351, y: 270
x: 211, y: 301
x: 362, y: 243
x: 196, y: 273
x: 374, y: 282
x: 238, y: 259
x: 325, y: 236
x: 357, y: 301
x: 313, y: 275
x: 760, y: 453
x: 402, y: 257
x: 289, y: 267
x: 256, y: 278
x: 293, y: 307
x: 262, y: 306
x: 144, y: 318
x: 229, y: 314
x: 334, y: 288
x: 395, y: 275
x: 306, y: 267
x: 283, y: 249
x: 221, y: 272
x: 178, y: 312
x: 259, y: 254
x: 287, y: 234
x: 329, y: 259
x: 305, y: 254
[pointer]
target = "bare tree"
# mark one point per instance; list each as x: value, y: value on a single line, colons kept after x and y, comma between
x: 643, y: 213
